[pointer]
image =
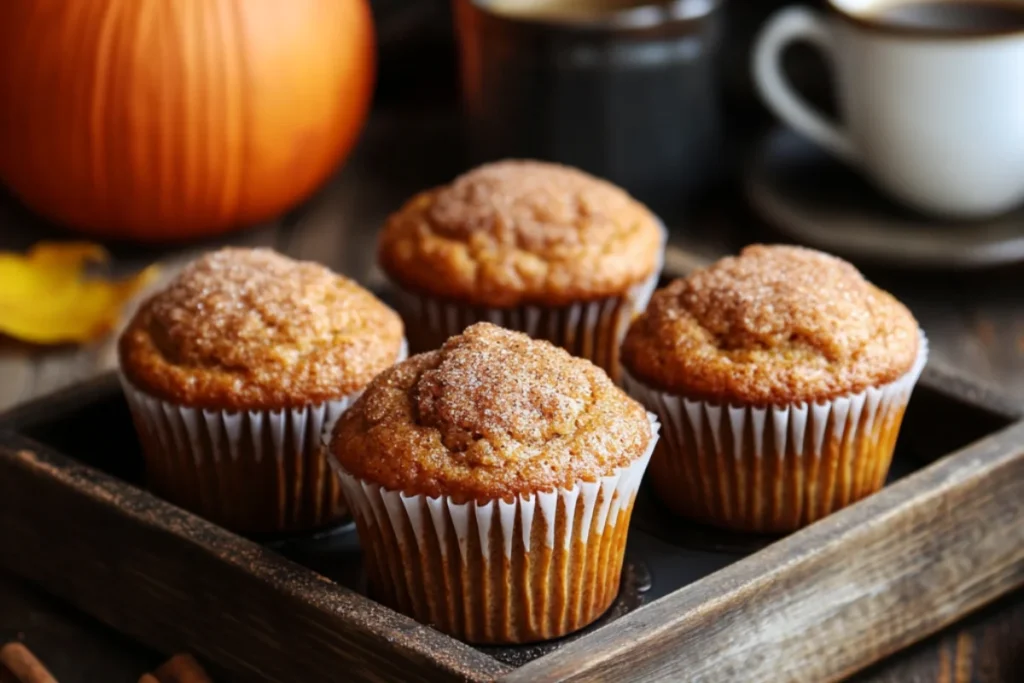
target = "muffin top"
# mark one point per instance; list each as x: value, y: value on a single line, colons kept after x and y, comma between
x: 243, y: 329
x: 521, y: 232
x: 491, y: 414
x: 771, y: 326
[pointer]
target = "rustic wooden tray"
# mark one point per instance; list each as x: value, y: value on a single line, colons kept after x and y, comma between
x: 945, y: 537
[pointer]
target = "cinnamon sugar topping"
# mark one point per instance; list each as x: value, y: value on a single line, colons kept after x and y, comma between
x: 252, y: 329
x: 491, y: 414
x: 518, y: 232
x: 773, y: 325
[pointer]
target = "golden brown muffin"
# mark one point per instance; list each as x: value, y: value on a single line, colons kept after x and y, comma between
x: 493, y: 414
x: 535, y: 247
x: 772, y: 326
x: 233, y: 371
x: 782, y: 376
x: 518, y: 232
x: 250, y: 329
x: 494, y: 420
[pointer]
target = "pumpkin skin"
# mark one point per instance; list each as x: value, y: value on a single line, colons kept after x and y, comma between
x: 163, y: 120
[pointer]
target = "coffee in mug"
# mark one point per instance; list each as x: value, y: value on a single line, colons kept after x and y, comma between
x: 930, y: 96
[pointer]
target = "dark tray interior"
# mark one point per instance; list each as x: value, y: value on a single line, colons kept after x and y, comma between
x: 664, y: 553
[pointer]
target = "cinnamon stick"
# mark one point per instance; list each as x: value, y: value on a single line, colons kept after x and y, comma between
x: 181, y: 668
x: 23, y: 665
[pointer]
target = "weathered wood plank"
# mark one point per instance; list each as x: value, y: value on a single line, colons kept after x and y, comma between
x: 988, y: 647
x: 186, y: 585
x: 75, y: 647
x: 17, y: 373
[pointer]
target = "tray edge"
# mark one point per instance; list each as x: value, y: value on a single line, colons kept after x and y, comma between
x: 684, y: 634
x: 31, y: 473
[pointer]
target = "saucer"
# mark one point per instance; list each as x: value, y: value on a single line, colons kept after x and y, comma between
x: 818, y: 201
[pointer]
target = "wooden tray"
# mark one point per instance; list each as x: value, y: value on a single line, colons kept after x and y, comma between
x: 944, y: 538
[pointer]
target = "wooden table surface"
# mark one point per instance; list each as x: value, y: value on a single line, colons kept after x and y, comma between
x: 975, y: 322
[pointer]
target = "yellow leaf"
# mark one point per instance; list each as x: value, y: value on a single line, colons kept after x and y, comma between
x: 47, y: 298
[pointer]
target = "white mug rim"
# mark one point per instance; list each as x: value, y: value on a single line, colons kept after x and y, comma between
x: 858, y: 14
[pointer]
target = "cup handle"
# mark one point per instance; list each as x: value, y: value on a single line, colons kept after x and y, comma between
x: 787, y: 26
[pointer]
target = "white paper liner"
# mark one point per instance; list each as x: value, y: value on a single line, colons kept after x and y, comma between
x: 774, y: 468
x: 592, y: 330
x: 252, y: 470
x: 532, y: 568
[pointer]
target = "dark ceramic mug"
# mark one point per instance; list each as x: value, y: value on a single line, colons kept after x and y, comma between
x: 630, y: 95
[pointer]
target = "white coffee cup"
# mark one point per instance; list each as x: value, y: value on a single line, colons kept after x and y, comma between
x: 934, y: 118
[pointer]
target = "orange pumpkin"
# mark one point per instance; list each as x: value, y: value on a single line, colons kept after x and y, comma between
x: 156, y: 120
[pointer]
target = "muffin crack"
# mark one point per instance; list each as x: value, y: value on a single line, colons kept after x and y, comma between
x: 486, y: 388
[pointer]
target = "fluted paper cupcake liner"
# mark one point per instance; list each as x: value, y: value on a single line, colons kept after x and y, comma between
x: 502, y: 571
x: 777, y: 468
x: 253, y: 471
x: 590, y: 329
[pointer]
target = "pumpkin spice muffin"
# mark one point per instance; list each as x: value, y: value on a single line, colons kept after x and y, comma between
x: 232, y: 373
x: 536, y: 247
x: 492, y: 483
x: 784, y: 375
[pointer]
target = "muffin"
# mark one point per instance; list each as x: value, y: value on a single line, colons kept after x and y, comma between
x: 233, y: 372
x: 782, y: 376
x: 530, y: 246
x: 492, y: 483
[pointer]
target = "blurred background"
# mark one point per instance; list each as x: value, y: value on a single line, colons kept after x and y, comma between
x: 302, y: 125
